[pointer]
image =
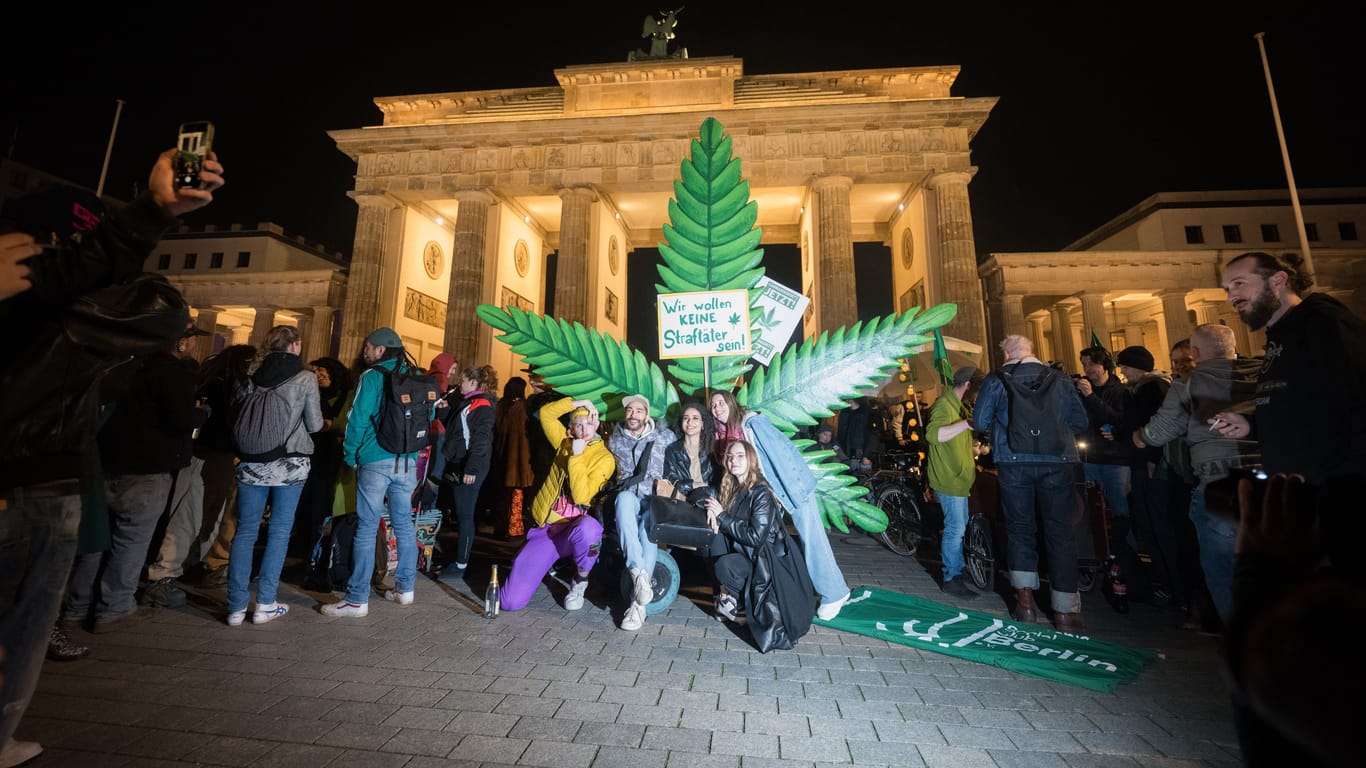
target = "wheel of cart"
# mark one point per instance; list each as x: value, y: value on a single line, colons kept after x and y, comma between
x: 666, y: 579
x: 664, y: 582
x: 1092, y: 532
x: 979, y: 561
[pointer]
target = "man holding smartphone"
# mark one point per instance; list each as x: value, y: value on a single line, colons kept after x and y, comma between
x: 46, y: 449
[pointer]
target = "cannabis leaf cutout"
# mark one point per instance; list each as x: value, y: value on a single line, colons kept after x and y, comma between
x: 713, y: 246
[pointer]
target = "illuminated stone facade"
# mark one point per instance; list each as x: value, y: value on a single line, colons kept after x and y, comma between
x: 586, y: 168
x: 1151, y: 274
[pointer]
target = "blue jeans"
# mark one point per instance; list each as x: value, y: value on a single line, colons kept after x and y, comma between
x: 955, y: 525
x: 1114, y: 481
x: 107, y: 581
x: 1048, y: 491
x: 377, y: 482
x: 251, y: 506
x: 37, y: 544
x: 826, y: 575
x: 634, y: 535
x: 1216, y: 530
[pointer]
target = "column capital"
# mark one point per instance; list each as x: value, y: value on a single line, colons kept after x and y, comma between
x: 381, y: 202
x: 826, y: 182
x: 950, y: 177
x: 578, y: 191
x: 474, y: 195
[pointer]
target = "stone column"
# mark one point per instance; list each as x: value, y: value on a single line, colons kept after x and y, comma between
x: 1093, y: 319
x: 206, y: 320
x: 1012, y: 310
x: 1174, y: 316
x: 1043, y: 346
x: 835, y: 251
x: 467, y: 273
x: 260, y: 327
x: 571, y: 269
x: 955, y: 271
x: 318, y: 341
x: 1063, y: 348
x: 359, y: 313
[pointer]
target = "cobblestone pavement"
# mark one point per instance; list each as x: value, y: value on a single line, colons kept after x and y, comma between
x: 435, y: 683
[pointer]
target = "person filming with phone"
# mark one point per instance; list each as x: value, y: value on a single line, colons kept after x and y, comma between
x: 60, y: 249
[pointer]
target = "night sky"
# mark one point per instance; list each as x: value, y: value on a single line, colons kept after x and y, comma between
x: 1099, y: 108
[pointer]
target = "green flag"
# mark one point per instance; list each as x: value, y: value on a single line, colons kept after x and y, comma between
x: 941, y: 361
x: 1030, y: 649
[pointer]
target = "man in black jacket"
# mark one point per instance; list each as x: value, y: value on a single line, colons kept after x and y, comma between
x: 47, y: 433
x: 1311, y: 394
x: 144, y: 443
x: 1105, y: 460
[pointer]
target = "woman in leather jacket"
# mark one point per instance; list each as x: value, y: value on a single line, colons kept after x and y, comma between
x: 687, y: 460
x: 749, y: 515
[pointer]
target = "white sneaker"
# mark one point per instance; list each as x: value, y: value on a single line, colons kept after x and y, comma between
x: 267, y: 612
x: 830, y: 610
x: 634, y: 618
x: 236, y: 618
x: 15, y: 752
x: 574, y: 600
x: 642, y: 593
x: 345, y: 609
x: 402, y: 598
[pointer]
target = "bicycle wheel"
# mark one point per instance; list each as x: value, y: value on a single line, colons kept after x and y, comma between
x: 977, y: 554
x: 904, y: 522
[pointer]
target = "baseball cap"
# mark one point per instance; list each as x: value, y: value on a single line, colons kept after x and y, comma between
x: 384, y: 337
x: 964, y: 375
x: 193, y: 331
x: 644, y: 402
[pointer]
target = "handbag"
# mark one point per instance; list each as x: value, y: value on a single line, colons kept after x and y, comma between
x: 680, y: 524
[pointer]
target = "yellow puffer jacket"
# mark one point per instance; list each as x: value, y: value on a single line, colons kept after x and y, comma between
x: 587, y: 472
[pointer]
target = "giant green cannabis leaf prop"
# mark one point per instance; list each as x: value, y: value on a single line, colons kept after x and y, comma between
x: 713, y: 246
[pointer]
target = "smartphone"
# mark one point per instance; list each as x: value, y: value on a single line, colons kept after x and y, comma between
x: 193, y: 144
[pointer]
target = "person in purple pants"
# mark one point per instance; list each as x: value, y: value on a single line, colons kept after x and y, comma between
x: 563, y: 526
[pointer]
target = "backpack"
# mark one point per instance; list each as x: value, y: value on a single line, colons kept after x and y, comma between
x: 405, y: 409
x: 263, y: 425
x: 329, y: 565
x: 1034, y: 426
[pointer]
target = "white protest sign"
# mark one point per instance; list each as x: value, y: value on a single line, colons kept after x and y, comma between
x: 779, y: 309
x: 703, y: 324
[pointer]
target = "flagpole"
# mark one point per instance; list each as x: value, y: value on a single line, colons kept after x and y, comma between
x: 1285, y: 157
x: 109, y: 149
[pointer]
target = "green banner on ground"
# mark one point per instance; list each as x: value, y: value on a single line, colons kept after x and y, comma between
x: 1030, y: 649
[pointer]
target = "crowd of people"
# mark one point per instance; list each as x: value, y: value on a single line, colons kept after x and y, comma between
x: 127, y: 484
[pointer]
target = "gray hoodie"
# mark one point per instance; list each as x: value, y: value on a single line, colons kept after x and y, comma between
x: 1214, y: 385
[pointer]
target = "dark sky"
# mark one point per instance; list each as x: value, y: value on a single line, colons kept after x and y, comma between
x: 1098, y: 108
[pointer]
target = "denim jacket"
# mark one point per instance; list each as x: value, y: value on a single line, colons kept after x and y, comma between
x: 992, y: 412
x: 784, y: 466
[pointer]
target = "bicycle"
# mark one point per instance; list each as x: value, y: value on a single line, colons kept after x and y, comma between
x: 898, y: 488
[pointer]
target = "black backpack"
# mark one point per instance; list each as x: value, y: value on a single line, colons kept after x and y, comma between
x: 405, y: 408
x: 1035, y: 427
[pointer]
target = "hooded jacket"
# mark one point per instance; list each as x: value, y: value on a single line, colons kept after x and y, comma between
x: 299, y: 387
x: 627, y: 449
x: 1214, y: 386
